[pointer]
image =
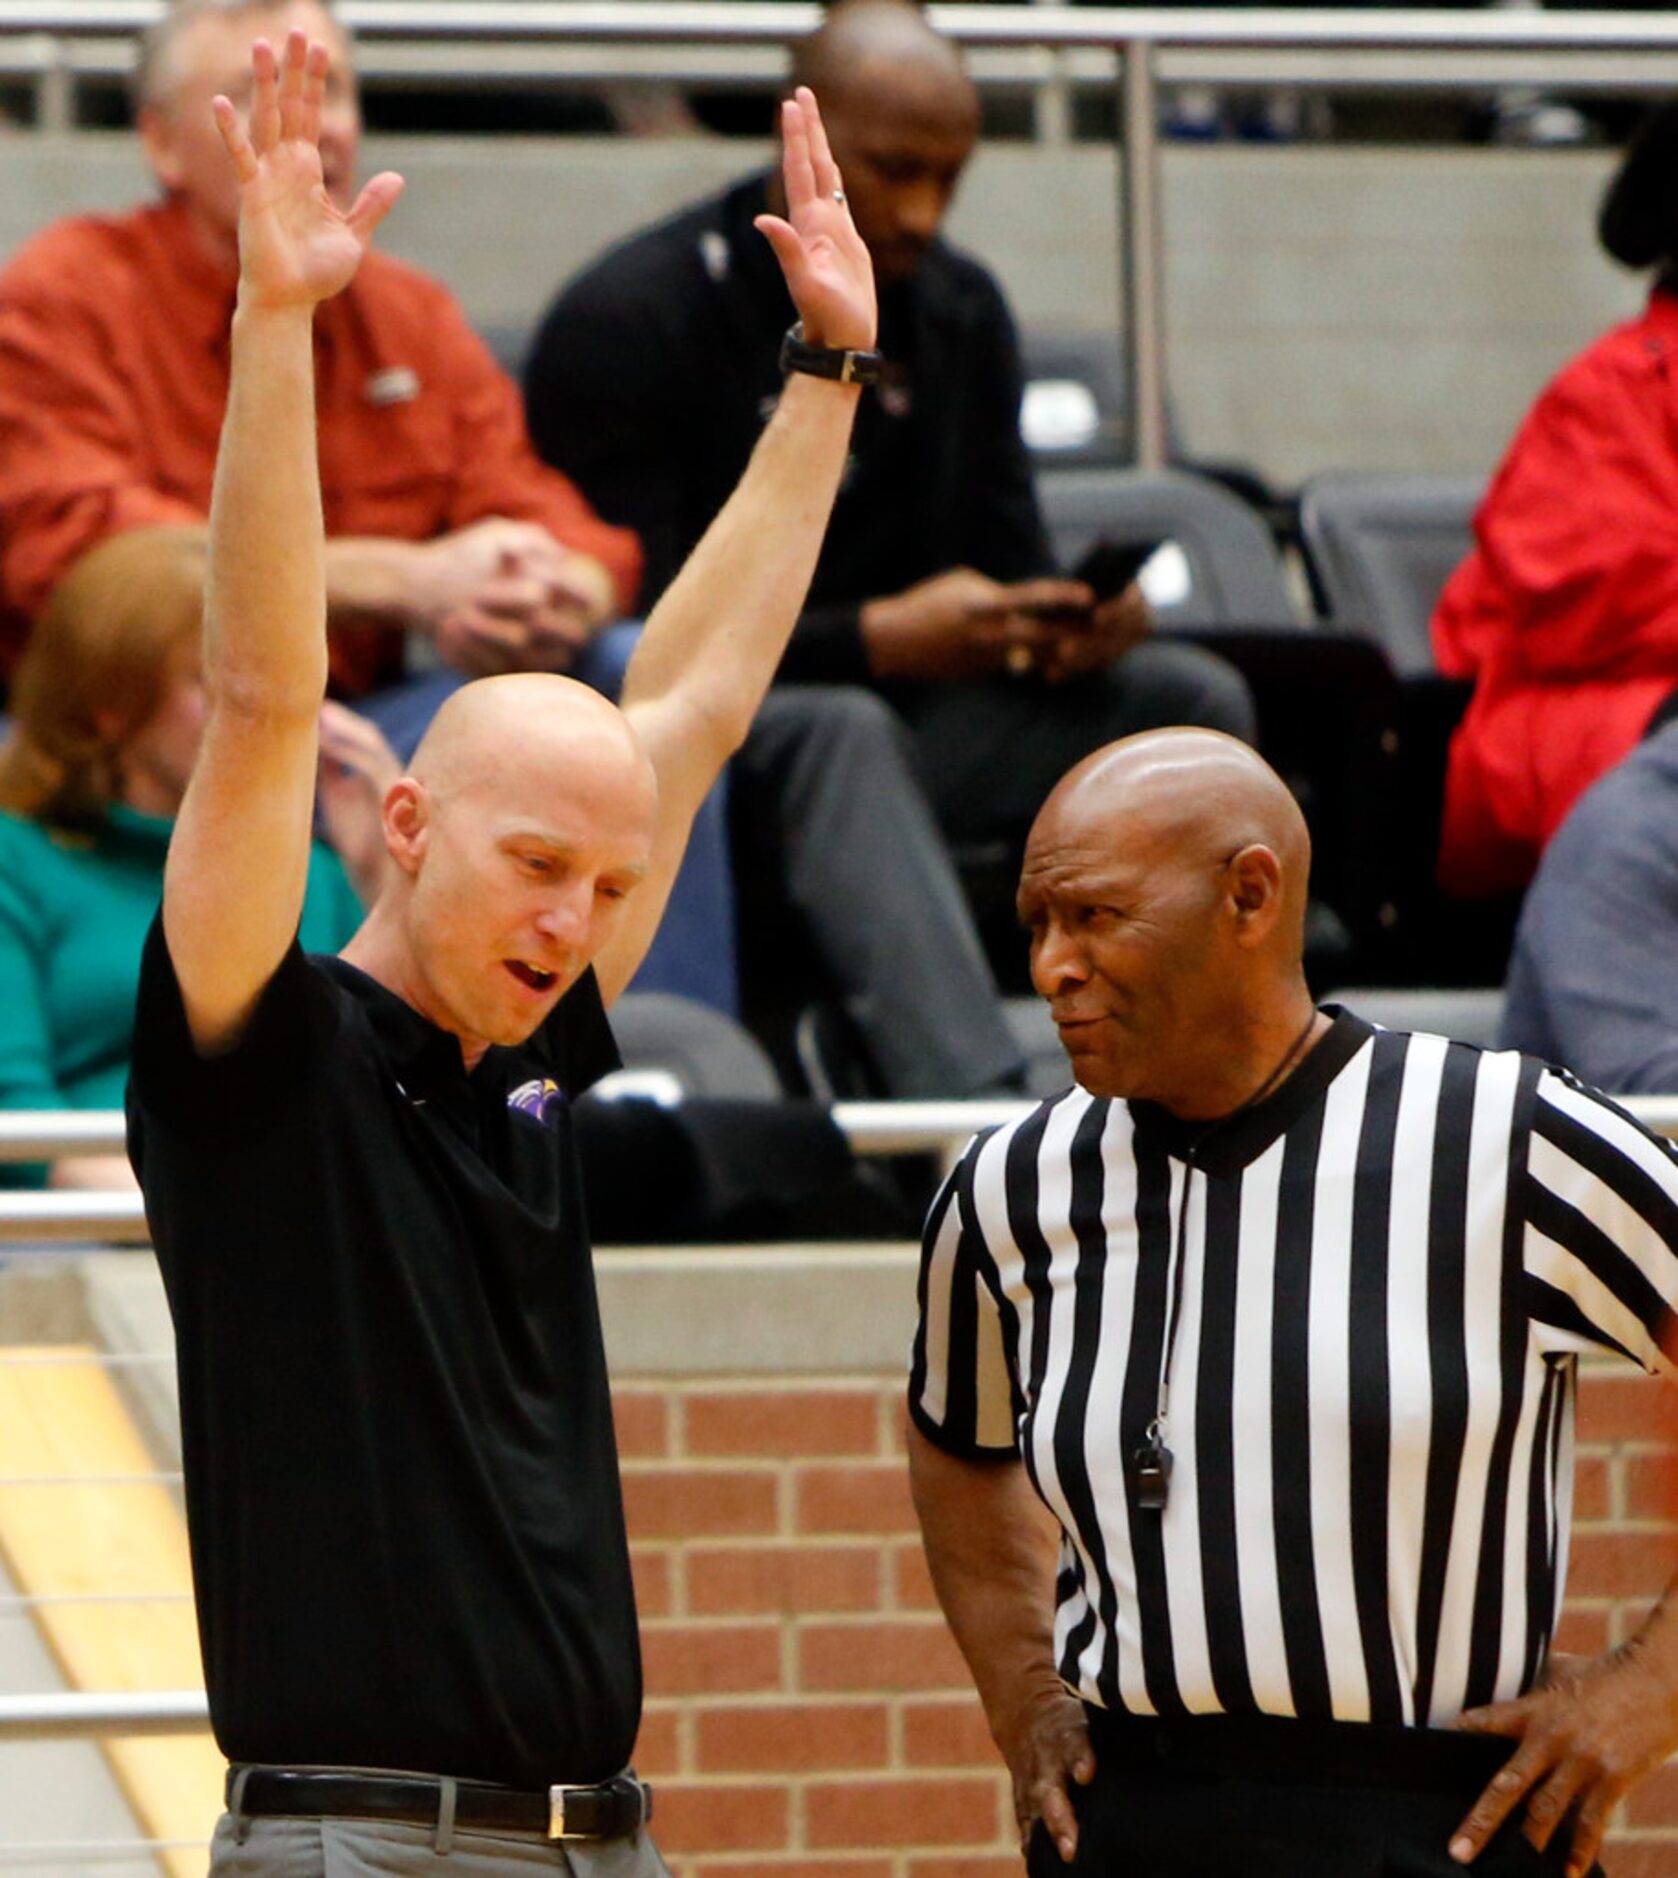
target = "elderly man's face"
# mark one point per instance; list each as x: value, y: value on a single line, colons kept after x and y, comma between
x: 1130, y: 947
x: 213, y: 55
x: 901, y: 145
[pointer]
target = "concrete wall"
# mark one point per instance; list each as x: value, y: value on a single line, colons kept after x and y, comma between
x: 1328, y: 307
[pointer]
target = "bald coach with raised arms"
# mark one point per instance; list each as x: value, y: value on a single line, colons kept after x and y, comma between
x: 402, y: 1495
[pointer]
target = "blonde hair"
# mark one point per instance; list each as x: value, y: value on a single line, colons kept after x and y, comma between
x: 95, y: 669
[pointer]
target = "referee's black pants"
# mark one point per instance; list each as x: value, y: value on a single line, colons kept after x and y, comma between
x: 1232, y: 1797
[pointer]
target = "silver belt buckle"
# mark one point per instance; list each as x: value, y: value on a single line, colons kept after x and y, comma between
x: 556, y: 1812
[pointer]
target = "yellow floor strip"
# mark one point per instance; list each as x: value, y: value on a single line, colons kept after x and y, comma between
x: 81, y: 1516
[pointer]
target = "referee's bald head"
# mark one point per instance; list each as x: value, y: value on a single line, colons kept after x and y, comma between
x: 1202, y: 790
x: 1164, y: 888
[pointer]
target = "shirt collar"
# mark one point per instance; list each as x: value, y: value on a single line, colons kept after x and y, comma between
x: 425, y: 1059
x: 1225, y: 1147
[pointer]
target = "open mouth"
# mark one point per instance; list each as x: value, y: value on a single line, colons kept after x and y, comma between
x: 531, y: 975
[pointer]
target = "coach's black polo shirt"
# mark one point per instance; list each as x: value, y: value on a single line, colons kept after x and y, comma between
x: 402, y: 1489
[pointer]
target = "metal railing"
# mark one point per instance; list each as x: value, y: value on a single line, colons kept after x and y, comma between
x: 871, y: 1128
x: 149, y: 1712
x: 1053, y: 46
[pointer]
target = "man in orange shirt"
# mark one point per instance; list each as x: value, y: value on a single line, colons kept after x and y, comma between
x: 113, y: 376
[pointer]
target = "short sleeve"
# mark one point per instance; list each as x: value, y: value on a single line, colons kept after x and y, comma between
x: 1600, y: 1229
x: 962, y: 1393
x: 579, y: 1038
x: 287, y: 1041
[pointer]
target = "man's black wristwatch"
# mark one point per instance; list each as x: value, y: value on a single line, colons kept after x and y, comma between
x: 850, y: 368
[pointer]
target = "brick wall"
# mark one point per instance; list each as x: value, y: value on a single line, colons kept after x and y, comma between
x: 808, y: 1715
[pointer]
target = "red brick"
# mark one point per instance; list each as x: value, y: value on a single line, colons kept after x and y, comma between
x: 897, y: 1423
x: 654, y: 1587
x: 1583, y: 1630
x: 784, y: 1422
x: 642, y: 1419
x: 658, y: 1745
x: 904, y: 1653
x: 725, y: 1580
x: 678, y: 1502
x: 1654, y: 1802
x: 1592, y: 1498
x: 711, y: 1818
x: 1652, y: 1485
x: 901, y: 1812
x: 797, y: 1868
x: 711, y: 1659
x: 1621, y: 1408
x: 911, y: 1582
x: 947, y: 1734
x: 969, y: 1865
x: 1620, y: 1564
x: 1641, y: 1858
x: 853, y: 1499
x: 792, y: 1738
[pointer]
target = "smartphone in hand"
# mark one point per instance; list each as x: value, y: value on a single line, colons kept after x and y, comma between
x: 1108, y: 567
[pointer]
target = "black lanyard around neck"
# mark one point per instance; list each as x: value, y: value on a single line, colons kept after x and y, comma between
x: 1151, y: 1462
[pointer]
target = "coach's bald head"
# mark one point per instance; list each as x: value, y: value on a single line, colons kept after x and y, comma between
x: 524, y: 824
x: 1164, y: 888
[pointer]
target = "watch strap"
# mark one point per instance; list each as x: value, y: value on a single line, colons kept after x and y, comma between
x: 847, y: 367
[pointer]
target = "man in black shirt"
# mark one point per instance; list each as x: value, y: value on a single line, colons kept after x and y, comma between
x: 649, y: 383
x: 402, y: 1490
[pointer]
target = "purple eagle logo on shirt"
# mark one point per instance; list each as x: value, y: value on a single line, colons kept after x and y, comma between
x: 536, y: 1098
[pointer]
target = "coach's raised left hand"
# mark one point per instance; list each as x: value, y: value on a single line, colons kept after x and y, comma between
x: 1587, y: 1735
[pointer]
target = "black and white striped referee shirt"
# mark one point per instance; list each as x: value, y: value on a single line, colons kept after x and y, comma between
x: 1388, y: 1270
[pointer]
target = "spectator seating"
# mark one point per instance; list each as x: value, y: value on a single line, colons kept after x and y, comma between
x: 1234, y: 575
x: 1381, y: 547
x: 1075, y: 409
x: 674, y: 1047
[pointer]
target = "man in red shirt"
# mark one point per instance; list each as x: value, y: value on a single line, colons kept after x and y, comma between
x: 113, y: 377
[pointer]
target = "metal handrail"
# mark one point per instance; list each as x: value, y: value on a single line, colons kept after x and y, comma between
x: 143, y: 1712
x: 760, y: 22
x: 871, y: 1128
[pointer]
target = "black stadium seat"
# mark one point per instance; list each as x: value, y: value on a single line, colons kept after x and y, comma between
x: 1381, y: 546
x: 1235, y: 575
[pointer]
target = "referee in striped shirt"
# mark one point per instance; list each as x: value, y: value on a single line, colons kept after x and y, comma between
x: 1278, y: 1315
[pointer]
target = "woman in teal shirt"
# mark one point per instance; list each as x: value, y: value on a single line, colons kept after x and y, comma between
x: 107, y: 711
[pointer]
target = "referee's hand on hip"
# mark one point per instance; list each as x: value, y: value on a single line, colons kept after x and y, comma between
x: 1586, y: 1735
x: 1047, y: 1749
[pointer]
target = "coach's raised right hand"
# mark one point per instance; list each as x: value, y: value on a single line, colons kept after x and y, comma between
x: 296, y: 247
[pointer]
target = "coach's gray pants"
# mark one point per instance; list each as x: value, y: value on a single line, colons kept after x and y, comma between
x: 369, y: 1848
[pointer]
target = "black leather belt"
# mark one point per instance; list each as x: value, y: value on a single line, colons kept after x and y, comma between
x: 612, y: 1810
